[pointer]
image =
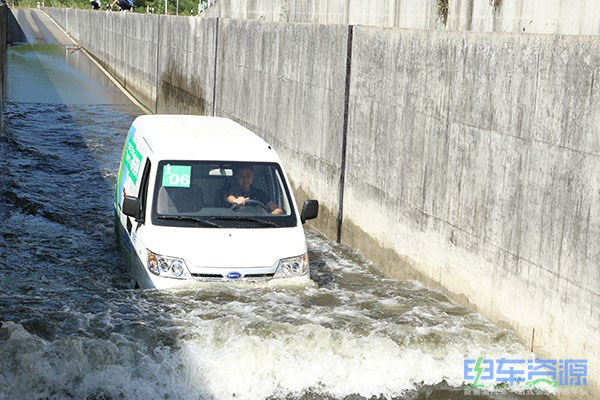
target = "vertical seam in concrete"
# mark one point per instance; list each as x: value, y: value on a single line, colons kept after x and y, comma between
x: 344, y: 134
x: 125, y: 53
x: 537, y: 77
x: 397, y: 8
x: 469, y: 22
x: 158, y: 18
x: 450, y: 49
x: 347, y: 16
x: 214, y: 101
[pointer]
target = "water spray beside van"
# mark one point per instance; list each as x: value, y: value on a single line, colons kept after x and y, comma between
x: 203, y: 199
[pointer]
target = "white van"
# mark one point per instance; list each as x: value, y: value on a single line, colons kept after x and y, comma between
x: 204, y: 199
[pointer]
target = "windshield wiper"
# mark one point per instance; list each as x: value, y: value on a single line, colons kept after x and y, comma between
x: 202, y: 221
x: 246, y: 219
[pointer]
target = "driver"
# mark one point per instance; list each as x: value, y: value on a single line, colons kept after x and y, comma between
x: 241, y: 191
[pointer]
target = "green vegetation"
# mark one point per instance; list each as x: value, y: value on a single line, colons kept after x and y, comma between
x: 186, y: 7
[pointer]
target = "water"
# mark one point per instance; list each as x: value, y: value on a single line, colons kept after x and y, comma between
x: 71, y: 327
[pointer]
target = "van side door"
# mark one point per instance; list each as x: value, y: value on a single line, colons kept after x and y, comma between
x: 133, y: 175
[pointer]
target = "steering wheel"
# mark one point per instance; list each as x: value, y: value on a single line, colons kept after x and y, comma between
x: 251, y: 203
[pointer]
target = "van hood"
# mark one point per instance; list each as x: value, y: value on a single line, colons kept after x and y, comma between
x: 226, y: 248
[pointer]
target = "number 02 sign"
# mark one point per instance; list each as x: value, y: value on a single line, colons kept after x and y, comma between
x: 176, y: 176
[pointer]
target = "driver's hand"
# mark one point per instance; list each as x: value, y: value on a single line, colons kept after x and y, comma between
x: 240, y: 201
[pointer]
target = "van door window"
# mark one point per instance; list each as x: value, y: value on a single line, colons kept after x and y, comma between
x: 143, y: 193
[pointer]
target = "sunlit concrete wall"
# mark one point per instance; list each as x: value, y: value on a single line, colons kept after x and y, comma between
x: 472, y: 159
x: 568, y: 17
x: 166, y: 62
x: 473, y: 165
x: 187, y: 65
x: 575, y: 17
x: 415, y: 14
x: 286, y: 82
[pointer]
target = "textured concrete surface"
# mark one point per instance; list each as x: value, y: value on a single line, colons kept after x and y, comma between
x: 286, y: 82
x: 14, y: 32
x: 167, y: 63
x: 31, y: 26
x: 476, y: 157
x: 579, y: 17
x: 473, y: 159
x: 141, y: 49
x: 106, y: 36
x: 186, y: 65
x: 421, y: 14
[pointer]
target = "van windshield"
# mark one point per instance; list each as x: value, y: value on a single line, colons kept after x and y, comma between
x: 221, y: 194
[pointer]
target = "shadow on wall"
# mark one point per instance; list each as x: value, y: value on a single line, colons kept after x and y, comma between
x: 178, y: 94
x: 15, y: 33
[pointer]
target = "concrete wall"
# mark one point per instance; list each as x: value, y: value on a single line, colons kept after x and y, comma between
x: 286, y: 82
x: 390, y: 13
x: 567, y: 17
x: 167, y: 63
x: 474, y: 161
x: 187, y: 65
x: 469, y: 161
x: 576, y: 17
x: 14, y: 32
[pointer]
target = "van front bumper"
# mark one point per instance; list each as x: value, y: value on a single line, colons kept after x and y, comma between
x: 223, y: 276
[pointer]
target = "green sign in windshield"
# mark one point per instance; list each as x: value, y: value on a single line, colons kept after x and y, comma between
x: 176, y: 176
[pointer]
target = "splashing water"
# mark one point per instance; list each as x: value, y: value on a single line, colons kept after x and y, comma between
x: 72, y: 329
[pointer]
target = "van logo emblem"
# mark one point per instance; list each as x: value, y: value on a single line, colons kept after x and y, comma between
x: 234, y: 275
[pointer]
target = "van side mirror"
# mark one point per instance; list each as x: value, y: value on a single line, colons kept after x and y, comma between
x: 310, y: 210
x: 131, y: 207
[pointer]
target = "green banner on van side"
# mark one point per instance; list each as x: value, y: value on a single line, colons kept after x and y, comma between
x: 133, y: 160
x: 176, y: 176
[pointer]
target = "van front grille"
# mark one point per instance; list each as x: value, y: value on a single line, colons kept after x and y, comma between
x: 259, y: 275
x: 221, y: 277
x: 209, y: 276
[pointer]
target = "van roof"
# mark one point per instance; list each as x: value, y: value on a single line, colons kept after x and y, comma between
x: 194, y: 137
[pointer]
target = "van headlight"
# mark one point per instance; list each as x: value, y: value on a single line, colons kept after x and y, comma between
x: 293, y: 266
x: 167, y: 267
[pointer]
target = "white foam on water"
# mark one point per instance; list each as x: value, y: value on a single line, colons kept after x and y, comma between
x: 353, y: 333
x: 316, y: 358
x: 78, y: 368
x: 224, y: 359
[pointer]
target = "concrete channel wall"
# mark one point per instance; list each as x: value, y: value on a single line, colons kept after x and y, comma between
x: 469, y: 161
x: 286, y: 82
x: 474, y: 159
x: 574, y: 17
